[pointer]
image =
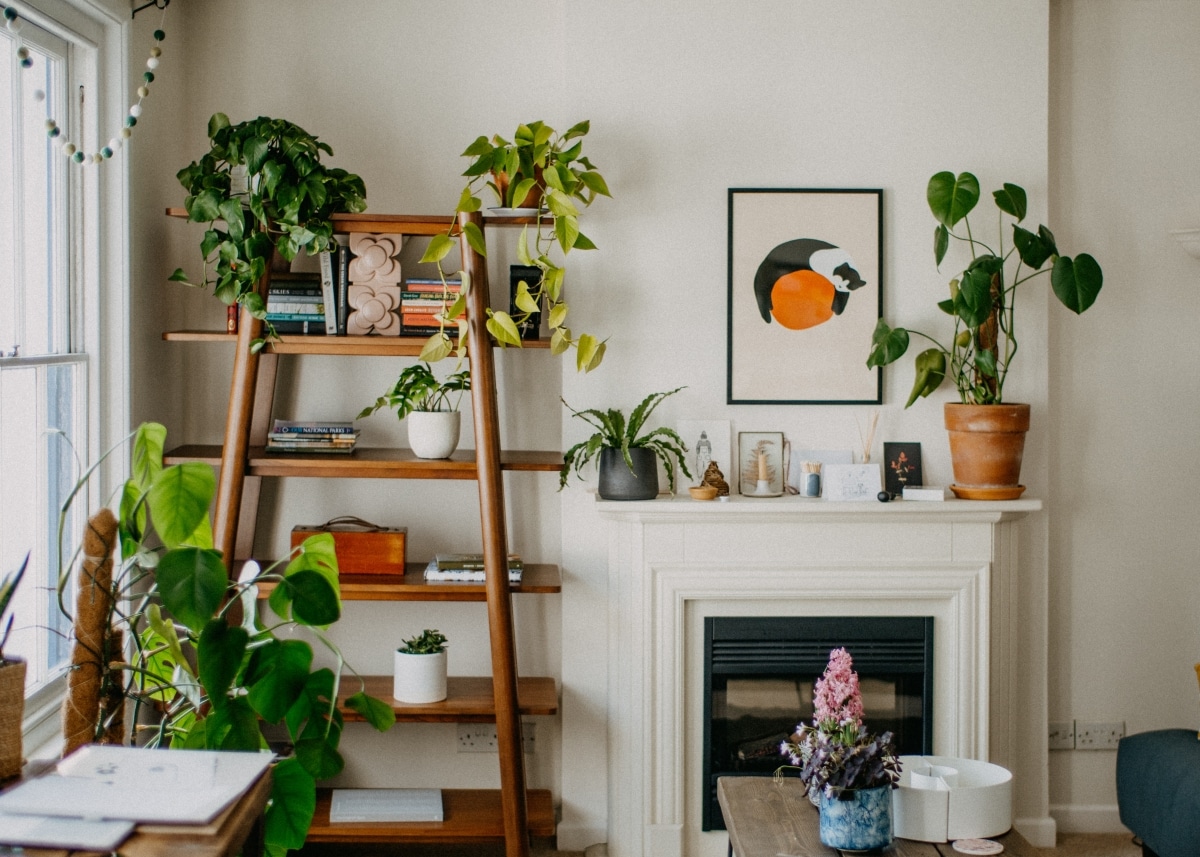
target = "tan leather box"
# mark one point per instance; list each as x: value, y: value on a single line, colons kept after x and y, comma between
x: 362, y: 547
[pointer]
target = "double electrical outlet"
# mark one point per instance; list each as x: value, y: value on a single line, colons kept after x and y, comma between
x: 481, y: 737
x: 1085, y: 735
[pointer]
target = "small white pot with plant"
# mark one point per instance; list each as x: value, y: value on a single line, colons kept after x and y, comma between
x: 434, y: 423
x: 420, y: 671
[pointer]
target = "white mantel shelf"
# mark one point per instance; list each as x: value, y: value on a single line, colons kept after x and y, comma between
x: 674, y: 561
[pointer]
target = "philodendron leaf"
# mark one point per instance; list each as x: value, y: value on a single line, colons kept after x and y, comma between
x: 219, y: 654
x: 146, y: 460
x: 1076, y: 282
x: 436, y: 347
x: 951, y: 199
x: 586, y: 347
x: 313, y: 601
x: 375, y: 711
x: 439, y: 247
x: 293, y: 802
x: 1032, y: 248
x: 888, y: 344
x: 276, y: 675
x: 192, y: 583
x: 1011, y: 200
x: 524, y: 300
x: 941, y: 243
x: 501, y: 326
x: 985, y: 362
x: 931, y: 371
x: 317, y: 747
x: 179, y: 498
x: 474, y: 236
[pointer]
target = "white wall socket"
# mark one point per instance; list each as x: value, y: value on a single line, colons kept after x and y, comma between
x: 481, y: 737
x: 1062, y: 735
x: 1098, y: 736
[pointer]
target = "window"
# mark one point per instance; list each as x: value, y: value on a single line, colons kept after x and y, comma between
x: 57, y: 257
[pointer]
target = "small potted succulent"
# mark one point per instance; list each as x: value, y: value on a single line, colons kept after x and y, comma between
x: 429, y: 405
x: 420, y: 669
x: 627, y: 457
x: 12, y: 683
x: 540, y: 174
x: 849, y: 771
x: 987, y: 434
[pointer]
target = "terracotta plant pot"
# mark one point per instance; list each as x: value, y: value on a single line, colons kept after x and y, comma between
x: 12, y: 710
x: 986, y: 446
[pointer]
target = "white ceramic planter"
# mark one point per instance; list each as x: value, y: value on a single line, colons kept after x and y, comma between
x: 433, y: 434
x: 419, y: 678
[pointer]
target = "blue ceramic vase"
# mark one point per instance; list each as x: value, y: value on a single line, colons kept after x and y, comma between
x: 859, y: 820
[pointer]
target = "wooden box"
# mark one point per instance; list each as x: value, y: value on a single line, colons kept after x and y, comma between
x: 362, y: 547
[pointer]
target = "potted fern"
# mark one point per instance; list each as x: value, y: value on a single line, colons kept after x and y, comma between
x: 429, y: 405
x: 987, y: 434
x: 627, y: 457
x: 420, y: 668
x: 12, y: 683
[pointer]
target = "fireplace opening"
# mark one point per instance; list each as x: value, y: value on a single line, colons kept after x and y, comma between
x: 759, y: 674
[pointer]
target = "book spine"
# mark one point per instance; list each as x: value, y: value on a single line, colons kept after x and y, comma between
x: 303, y: 327
x: 310, y: 317
x: 296, y: 291
x: 327, y: 292
x: 303, y: 307
x: 286, y: 427
x: 343, y: 288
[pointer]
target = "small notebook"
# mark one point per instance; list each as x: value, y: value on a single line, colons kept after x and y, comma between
x: 350, y: 805
x: 36, y: 831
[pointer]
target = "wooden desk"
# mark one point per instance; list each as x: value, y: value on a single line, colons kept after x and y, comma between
x: 239, y: 825
x: 769, y: 819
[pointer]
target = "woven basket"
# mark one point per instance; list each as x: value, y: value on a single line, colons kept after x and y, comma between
x: 12, y: 710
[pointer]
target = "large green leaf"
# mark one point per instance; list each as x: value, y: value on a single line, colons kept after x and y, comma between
x: 276, y: 676
x: 931, y: 371
x: 1076, y: 282
x: 1011, y: 200
x: 941, y: 243
x: 192, y: 583
x: 974, y: 300
x: 951, y: 199
x: 179, y: 498
x: 1033, y: 249
x: 293, y: 802
x: 313, y: 600
x: 888, y: 344
x: 219, y: 653
x: 148, y: 444
x: 233, y: 726
x: 317, y: 746
x: 378, y: 713
x: 314, y: 700
x: 439, y: 247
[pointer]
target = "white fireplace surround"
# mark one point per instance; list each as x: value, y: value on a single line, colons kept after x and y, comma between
x: 674, y: 562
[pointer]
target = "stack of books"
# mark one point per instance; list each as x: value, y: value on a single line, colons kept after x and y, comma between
x: 317, y: 436
x: 296, y: 305
x: 468, y: 566
x: 422, y: 301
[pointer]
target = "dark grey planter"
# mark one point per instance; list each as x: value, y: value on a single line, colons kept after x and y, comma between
x: 618, y: 482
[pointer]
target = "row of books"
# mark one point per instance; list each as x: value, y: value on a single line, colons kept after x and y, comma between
x: 468, y: 566
x: 422, y: 300
x: 296, y: 304
x: 312, y: 437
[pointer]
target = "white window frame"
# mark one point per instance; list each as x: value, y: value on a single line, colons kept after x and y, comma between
x: 97, y: 32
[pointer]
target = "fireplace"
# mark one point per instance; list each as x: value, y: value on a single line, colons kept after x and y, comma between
x: 759, y: 673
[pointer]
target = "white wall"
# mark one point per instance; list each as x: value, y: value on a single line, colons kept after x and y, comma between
x: 1125, y: 385
x: 687, y: 100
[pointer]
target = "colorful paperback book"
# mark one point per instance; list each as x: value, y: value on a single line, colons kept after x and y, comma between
x: 313, y: 427
x: 476, y: 575
x: 314, y: 437
x: 470, y: 561
x: 329, y: 292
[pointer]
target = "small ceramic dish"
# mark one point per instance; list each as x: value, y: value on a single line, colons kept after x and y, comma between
x: 703, y: 492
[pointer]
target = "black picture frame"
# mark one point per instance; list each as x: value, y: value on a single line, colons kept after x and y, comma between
x: 901, y: 466
x: 805, y: 270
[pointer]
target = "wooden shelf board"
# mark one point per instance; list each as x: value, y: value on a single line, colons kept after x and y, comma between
x: 367, y: 462
x: 471, y: 816
x: 469, y: 699
x: 346, y: 346
x: 414, y: 224
x: 538, y: 579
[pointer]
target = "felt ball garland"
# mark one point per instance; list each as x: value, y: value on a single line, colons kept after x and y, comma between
x: 12, y: 21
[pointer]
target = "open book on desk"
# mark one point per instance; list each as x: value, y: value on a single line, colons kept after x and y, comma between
x: 139, y: 785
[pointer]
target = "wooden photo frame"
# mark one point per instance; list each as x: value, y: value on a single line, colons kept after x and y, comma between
x: 760, y: 463
x: 805, y: 294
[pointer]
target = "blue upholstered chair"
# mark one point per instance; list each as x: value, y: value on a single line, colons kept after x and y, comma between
x: 1158, y: 791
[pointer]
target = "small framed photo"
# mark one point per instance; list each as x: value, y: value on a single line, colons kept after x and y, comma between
x: 708, y: 442
x: 901, y: 466
x: 760, y: 463
x: 849, y: 482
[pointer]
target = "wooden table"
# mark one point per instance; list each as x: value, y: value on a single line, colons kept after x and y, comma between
x: 769, y: 819
x: 237, y: 830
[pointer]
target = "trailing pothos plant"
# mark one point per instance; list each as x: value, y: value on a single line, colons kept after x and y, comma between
x: 261, y: 188
x: 546, y: 171
x: 204, y: 670
x: 982, y: 298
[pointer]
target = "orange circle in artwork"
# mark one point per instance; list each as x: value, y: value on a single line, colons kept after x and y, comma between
x: 802, y: 299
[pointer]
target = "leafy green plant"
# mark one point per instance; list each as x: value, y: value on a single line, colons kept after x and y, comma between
x: 216, y: 674
x: 614, y: 431
x: 428, y: 642
x: 261, y: 188
x: 982, y: 302
x: 417, y: 389
x: 548, y: 171
x: 8, y: 589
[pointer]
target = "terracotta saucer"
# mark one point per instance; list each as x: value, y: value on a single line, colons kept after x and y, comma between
x: 963, y: 492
